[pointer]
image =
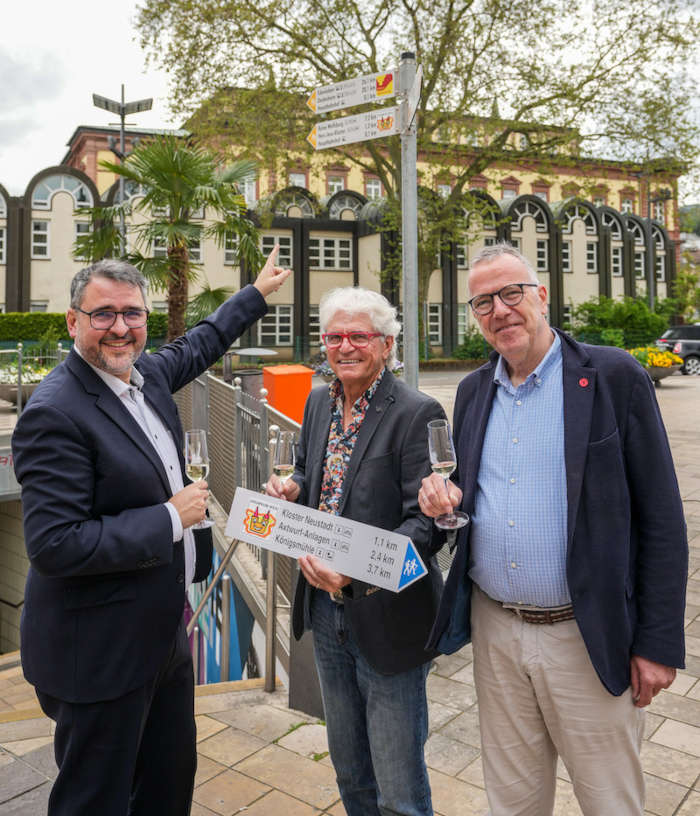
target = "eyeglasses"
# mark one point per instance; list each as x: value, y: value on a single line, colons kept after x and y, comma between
x: 103, y: 319
x: 356, y: 339
x: 511, y: 295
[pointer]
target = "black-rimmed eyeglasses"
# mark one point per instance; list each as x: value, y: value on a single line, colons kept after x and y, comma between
x: 103, y: 319
x: 511, y: 295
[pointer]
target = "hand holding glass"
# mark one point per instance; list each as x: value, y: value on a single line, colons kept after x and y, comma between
x: 443, y: 461
x: 197, y: 462
x: 283, y: 465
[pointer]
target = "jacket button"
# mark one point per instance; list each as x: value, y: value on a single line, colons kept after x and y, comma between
x: 181, y: 578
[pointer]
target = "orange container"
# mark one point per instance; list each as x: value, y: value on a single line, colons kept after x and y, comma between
x: 288, y: 386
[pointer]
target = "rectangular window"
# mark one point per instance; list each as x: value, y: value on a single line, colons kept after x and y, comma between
x: 566, y: 314
x: 444, y: 190
x: 195, y: 250
x: 435, y: 324
x: 330, y: 253
x: 159, y: 306
x: 627, y: 205
x: 285, y: 254
x: 297, y: 179
x: 82, y: 228
x: 275, y: 328
x: 507, y: 193
x: 660, y: 211
x: 591, y: 258
x: 373, y: 188
x: 230, y: 248
x: 250, y: 191
x: 489, y: 241
x: 515, y: 243
x: 38, y: 305
x: 462, y: 251
x: 314, y: 326
x: 543, y: 194
x: 198, y: 213
x: 660, y: 267
x: 639, y: 265
x: 2, y: 245
x: 40, y: 239
x: 462, y: 322
x: 616, y: 259
x: 541, y: 256
x: 566, y: 256
x: 335, y: 184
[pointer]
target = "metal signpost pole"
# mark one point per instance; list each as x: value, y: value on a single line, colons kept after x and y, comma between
x: 409, y: 222
x: 122, y: 148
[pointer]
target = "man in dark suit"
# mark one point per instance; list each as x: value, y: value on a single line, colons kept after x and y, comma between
x: 98, y: 452
x: 574, y: 565
x: 362, y: 453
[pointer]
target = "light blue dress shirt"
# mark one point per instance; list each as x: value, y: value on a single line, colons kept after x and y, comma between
x: 518, y: 537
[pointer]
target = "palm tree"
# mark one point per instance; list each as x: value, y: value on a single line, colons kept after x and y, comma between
x: 174, y: 179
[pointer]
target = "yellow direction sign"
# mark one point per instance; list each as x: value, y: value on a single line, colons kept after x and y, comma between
x: 349, y: 92
x: 357, y: 128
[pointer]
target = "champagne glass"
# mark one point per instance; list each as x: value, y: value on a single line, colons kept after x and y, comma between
x: 197, y: 462
x: 443, y: 462
x: 283, y: 464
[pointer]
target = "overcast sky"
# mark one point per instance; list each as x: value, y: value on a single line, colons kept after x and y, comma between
x: 53, y: 56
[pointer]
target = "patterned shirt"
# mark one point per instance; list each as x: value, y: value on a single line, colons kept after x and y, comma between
x: 518, y: 539
x: 341, y: 443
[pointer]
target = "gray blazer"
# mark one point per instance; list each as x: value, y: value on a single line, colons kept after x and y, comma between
x: 388, y: 462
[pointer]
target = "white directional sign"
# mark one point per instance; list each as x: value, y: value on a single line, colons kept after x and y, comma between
x: 357, y: 128
x: 357, y: 91
x: 378, y: 557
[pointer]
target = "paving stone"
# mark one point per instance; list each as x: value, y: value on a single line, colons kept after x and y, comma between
x: 229, y: 792
x: 464, y: 728
x: 565, y: 802
x: 32, y: 803
x: 465, y: 675
x: 263, y: 721
x: 682, y: 684
x: 651, y: 723
x: 447, y: 755
x: 207, y: 727
x: 694, y: 627
x: 669, y: 764
x: 692, y: 645
x: 200, y: 810
x: 312, y: 782
x: 447, y: 665
x: 21, y: 747
x: 439, y: 714
x: 678, y: 735
x: 5, y: 758
x: 692, y: 665
x: 309, y: 740
x: 43, y: 760
x: 337, y: 810
x: 450, y: 692
x: 453, y: 797
x: 694, y: 692
x: 474, y: 773
x: 691, y: 805
x: 17, y: 778
x: 230, y: 746
x: 683, y: 709
x: 662, y: 797
x: 276, y: 803
x: 207, y: 769
x: 24, y: 729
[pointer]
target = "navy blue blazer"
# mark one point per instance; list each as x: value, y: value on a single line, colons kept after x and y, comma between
x: 105, y: 590
x: 627, y: 552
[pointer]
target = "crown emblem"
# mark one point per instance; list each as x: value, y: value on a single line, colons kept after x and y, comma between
x: 385, y: 123
x: 259, y: 524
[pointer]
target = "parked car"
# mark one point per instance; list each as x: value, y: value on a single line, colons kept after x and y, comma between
x: 685, y: 342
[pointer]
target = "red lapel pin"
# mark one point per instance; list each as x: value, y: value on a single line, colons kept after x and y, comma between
x: 583, y: 382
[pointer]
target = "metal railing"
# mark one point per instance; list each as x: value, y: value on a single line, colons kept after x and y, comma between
x: 20, y: 366
x: 239, y: 428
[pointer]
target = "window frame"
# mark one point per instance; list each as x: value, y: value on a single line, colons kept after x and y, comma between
x: 334, y: 260
x: 47, y: 244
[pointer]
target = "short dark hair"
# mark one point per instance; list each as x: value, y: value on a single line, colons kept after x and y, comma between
x: 111, y: 268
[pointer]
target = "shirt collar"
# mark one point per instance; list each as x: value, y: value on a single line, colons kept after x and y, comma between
x: 542, y: 370
x: 335, y: 389
x: 118, y: 386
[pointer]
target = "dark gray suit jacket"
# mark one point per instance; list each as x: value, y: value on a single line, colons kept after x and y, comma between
x: 388, y: 462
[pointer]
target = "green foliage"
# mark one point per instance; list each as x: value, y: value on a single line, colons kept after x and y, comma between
x: 474, y: 346
x: 205, y: 302
x: 686, y: 289
x: 624, y: 323
x: 690, y: 218
x: 49, y: 328
x: 176, y: 179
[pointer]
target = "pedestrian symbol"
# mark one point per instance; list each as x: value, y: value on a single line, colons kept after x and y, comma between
x: 413, y: 567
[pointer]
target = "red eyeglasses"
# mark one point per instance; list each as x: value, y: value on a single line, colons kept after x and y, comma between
x: 356, y: 339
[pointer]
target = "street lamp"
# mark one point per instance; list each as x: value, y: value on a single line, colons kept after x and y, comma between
x: 122, y: 109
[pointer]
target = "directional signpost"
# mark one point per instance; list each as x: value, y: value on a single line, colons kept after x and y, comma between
x: 375, y: 124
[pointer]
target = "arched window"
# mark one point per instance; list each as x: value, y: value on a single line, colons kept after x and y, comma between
x: 47, y: 187
x: 525, y: 208
x: 345, y: 206
x: 614, y: 225
x: 3, y: 207
x: 579, y: 211
x: 294, y: 203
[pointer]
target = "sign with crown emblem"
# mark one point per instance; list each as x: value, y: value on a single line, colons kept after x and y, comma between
x: 378, y: 557
x: 358, y: 128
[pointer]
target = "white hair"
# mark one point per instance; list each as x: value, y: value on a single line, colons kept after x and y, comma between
x: 356, y: 300
x: 490, y: 253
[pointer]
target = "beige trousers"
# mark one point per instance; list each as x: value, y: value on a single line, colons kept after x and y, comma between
x: 539, y: 697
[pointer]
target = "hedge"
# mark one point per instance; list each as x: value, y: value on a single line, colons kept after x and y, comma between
x: 16, y: 326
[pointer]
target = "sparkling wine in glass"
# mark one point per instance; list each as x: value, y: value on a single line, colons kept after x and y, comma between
x: 443, y: 462
x: 197, y: 461
x: 283, y: 465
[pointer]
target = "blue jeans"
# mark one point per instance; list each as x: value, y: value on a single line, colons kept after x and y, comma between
x: 377, y: 724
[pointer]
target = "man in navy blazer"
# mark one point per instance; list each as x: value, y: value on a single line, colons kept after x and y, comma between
x: 98, y: 452
x: 570, y: 580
